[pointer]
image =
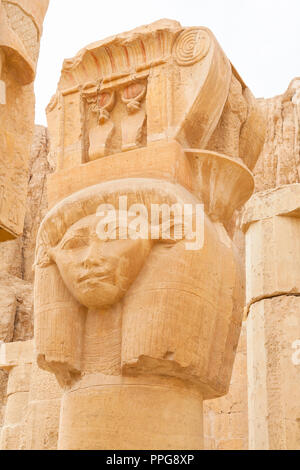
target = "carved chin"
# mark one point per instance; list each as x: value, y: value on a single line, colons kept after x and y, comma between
x: 101, y: 295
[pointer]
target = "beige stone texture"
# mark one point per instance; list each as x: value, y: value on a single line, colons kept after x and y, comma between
x: 175, y: 420
x: 273, y: 244
x: 279, y: 162
x: 17, y: 256
x: 274, y: 379
x: 20, y: 32
x: 98, y: 85
x: 144, y: 115
x: 7, y: 314
x: 226, y: 418
x: 15, y: 357
x: 33, y: 401
x: 16, y: 262
x: 41, y: 424
x: 3, y: 387
x: 182, y: 129
x: 271, y: 222
x: 272, y: 265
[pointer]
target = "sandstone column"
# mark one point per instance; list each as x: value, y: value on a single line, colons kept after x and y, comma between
x: 139, y: 331
x: 272, y: 225
x: 33, y: 398
x: 20, y: 33
x: 16, y: 358
x: 41, y: 424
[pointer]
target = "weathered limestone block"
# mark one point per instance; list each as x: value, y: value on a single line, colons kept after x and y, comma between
x: 16, y: 260
x: 272, y: 221
x: 17, y: 256
x: 36, y: 206
x: 18, y: 318
x: 11, y: 257
x: 40, y: 430
x: 218, y: 435
x: 274, y: 379
x: 31, y: 415
x: 15, y: 358
x: 226, y: 418
x: 21, y: 29
x: 3, y: 387
x: 242, y: 118
x: 132, y: 322
x: 8, y: 305
x: 279, y: 161
x: 20, y: 32
x: 272, y: 224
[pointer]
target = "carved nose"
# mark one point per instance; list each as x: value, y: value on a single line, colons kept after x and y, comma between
x: 94, y: 256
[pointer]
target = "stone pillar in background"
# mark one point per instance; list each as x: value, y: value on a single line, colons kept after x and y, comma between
x: 226, y: 418
x: 41, y: 424
x: 16, y: 276
x: 20, y: 33
x: 272, y: 224
x: 33, y: 398
x: 160, y: 116
x: 16, y: 358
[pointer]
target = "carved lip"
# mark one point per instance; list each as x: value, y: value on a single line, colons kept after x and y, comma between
x: 102, y: 276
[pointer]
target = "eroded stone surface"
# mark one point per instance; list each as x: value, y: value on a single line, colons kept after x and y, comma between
x: 101, y: 134
x: 21, y: 27
x: 16, y: 261
x: 274, y: 378
x: 279, y: 162
x: 110, y: 316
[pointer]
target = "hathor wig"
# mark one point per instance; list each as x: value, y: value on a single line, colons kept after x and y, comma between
x: 172, y: 280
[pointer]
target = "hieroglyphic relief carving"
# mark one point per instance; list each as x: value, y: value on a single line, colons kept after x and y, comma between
x: 160, y: 56
x: 113, y: 119
x: 132, y: 125
x: 99, y: 136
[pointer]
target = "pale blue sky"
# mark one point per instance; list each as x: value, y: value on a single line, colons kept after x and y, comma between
x: 260, y: 37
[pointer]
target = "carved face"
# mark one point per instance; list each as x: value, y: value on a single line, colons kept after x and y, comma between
x: 98, y: 273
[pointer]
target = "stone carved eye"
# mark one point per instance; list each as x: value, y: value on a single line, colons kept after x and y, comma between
x: 74, y: 243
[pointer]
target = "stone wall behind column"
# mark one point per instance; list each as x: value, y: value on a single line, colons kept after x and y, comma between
x: 16, y: 259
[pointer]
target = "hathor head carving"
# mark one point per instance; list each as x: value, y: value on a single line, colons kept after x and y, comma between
x: 162, y: 286
x: 98, y: 273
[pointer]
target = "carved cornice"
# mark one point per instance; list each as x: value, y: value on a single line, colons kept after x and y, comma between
x: 186, y: 73
x: 122, y: 55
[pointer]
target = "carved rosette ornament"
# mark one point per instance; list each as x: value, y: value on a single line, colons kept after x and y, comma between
x: 191, y: 46
x: 140, y: 330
